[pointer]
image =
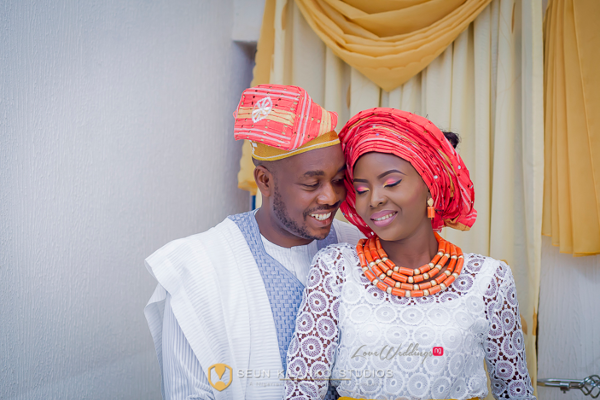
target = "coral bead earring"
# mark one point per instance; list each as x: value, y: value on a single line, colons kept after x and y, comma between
x: 430, y: 209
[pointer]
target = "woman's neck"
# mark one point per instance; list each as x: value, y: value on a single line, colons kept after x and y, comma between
x: 413, y: 251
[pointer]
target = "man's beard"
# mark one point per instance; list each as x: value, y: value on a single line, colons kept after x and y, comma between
x: 291, y: 225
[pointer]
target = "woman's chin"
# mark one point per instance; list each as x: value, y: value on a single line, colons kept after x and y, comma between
x: 388, y: 238
x: 389, y: 234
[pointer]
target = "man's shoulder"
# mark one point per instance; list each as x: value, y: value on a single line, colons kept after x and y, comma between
x: 214, y: 238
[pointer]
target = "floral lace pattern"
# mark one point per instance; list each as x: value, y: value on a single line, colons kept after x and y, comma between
x: 371, y: 344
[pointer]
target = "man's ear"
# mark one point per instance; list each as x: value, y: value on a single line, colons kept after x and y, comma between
x: 265, y: 181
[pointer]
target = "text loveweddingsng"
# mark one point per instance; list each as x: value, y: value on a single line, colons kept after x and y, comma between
x: 389, y: 352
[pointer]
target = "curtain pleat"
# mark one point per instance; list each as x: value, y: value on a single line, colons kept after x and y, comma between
x: 572, y: 137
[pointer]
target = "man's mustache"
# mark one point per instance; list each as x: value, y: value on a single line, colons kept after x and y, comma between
x: 323, y: 208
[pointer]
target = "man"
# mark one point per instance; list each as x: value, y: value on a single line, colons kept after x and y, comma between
x: 224, y: 309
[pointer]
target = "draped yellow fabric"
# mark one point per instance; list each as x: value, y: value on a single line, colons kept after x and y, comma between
x: 572, y: 126
x: 389, y: 42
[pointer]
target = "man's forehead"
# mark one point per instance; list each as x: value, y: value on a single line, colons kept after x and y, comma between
x: 316, y: 163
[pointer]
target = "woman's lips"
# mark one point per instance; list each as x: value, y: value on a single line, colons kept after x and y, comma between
x: 383, y: 218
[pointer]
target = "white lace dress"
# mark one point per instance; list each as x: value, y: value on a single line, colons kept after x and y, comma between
x: 377, y: 346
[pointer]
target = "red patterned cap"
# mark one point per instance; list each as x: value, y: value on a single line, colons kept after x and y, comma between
x: 284, y: 117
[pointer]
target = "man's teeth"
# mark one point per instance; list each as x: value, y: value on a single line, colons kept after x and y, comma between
x: 321, y: 217
x: 384, y: 217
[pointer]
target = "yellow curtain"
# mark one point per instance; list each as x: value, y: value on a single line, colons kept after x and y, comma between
x: 487, y: 86
x: 572, y: 120
x: 389, y: 42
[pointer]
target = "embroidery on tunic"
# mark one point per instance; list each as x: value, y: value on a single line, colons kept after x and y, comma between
x: 284, y: 290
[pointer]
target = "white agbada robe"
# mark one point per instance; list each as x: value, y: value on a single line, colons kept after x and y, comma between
x: 210, y: 283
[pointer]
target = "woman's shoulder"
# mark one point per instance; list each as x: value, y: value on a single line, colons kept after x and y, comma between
x: 484, y: 266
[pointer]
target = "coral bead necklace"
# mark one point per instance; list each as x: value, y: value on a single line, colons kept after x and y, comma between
x: 406, y: 282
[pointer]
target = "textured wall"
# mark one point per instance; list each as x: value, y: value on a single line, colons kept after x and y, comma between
x: 115, y: 137
x: 569, y: 320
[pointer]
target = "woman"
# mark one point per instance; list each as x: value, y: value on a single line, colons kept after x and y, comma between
x: 406, y: 314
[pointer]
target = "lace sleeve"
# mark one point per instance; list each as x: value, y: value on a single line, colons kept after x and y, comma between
x: 504, y: 345
x: 312, y: 348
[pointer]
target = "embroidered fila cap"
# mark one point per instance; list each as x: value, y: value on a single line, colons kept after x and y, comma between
x: 281, y: 121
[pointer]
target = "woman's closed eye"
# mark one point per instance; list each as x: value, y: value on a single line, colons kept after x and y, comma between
x: 361, y: 189
x: 392, y: 183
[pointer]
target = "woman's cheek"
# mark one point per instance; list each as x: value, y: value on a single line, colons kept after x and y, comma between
x: 415, y: 197
x: 362, y: 206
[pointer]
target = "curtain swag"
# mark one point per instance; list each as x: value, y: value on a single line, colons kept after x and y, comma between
x: 389, y: 42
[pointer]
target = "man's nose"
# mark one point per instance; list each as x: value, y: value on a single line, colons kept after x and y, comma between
x: 331, y: 195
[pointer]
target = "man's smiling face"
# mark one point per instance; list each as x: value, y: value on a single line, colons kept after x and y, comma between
x: 309, y: 189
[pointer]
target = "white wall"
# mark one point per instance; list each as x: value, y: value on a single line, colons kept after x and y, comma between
x: 115, y: 137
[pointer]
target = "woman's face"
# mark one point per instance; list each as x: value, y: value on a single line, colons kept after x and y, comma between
x: 391, y: 197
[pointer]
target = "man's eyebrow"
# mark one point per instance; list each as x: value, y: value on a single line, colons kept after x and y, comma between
x: 390, y: 172
x: 310, y: 174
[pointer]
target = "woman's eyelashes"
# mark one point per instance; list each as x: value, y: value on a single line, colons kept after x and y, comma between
x: 361, y: 189
x: 387, y: 184
x: 392, y: 183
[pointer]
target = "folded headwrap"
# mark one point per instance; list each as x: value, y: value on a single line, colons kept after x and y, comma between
x: 418, y: 141
x: 282, y: 121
